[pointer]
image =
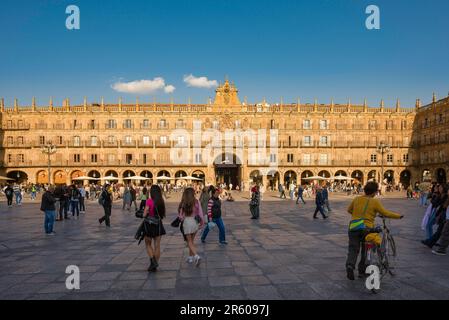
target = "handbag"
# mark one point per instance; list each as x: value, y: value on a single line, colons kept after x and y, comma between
x: 176, y: 222
x: 139, y: 213
x: 359, y: 224
x: 155, y: 219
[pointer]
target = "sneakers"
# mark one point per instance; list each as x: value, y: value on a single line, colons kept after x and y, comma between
x: 189, y: 259
x: 223, y: 242
x: 350, y: 273
x: 439, y: 252
x: 51, y: 233
x: 197, y: 260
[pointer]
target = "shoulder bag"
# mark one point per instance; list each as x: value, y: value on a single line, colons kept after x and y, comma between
x: 359, y: 224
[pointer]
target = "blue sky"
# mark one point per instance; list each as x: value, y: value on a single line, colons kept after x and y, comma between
x: 311, y: 49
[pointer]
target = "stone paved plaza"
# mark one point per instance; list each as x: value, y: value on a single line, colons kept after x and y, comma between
x: 284, y: 255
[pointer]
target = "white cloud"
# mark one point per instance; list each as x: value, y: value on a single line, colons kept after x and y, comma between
x: 199, y: 82
x: 169, y: 89
x: 143, y: 86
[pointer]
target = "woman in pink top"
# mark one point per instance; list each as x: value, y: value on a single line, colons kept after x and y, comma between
x: 191, y: 215
x: 154, y: 207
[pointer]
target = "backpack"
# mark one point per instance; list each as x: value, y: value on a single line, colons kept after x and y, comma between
x: 101, y: 199
x: 8, y: 192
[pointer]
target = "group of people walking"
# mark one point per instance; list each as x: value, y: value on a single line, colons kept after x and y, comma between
x: 193, y: 215
x: 435, y: 222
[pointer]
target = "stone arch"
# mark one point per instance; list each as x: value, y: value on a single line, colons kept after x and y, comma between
x: 60, y: 177
x: 42, y: 177
x: 19, y: 176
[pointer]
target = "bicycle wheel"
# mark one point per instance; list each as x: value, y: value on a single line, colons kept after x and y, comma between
x: 391, y: 254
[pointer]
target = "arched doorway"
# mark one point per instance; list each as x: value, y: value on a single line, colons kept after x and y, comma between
x: 199, y: 174
x: 341, y: 173
x: 18, y: 176
x: 94, y: 174
x: 42, y: 177
x: 305, y: 174
x: 111, y: 173
x: 128, y: 174
x: 60, y: 177
x: 357, y: 175
x: 178, y: 175
x: 227, y: 169
x: 75, y: 174
x: 389, y: 176
x: 405, y: 178
x: 146, y: 174
x: 274, y: 179
x: 324, y: 174
x: 255, y: 177
x: 289, y: 177
x: 372, y: 175
x: 441, y: 175
x: 166, y: 177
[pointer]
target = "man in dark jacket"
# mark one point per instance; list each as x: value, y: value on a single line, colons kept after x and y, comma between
x: 300, y: 194
x: 48, y: 206
x: 105, y: 199
x: 9, y: 192
x: 319, y: 201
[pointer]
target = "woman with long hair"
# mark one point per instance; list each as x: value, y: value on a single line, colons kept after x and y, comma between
x: 191, y: 215
x: 438, y: 215
x: 154, y: 213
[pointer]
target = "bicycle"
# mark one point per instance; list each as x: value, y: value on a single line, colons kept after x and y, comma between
x: 383, y: 256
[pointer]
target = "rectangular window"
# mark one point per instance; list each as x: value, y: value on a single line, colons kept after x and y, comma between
x: 59, y: 140
x: 181, y: 140
x: 93, y: 158
x: 306, y: 158
x: 390, y: 125
x: 129, y: 158
x: 306, y: 124
x: 76, y: 158
x: 146, y: 140
x: 9, y: 157
x: 307, y: 140
x: 323, y: 159
x: 144, y: 159
x: 389, y: 158
x: 162, y: 124
x: 323, y: 141
x: 93, y: 141
x: 111, y: 139
x: 76, y: 141
x: 373, y: 124
x: 20, y: 158
x: 163, y: 139
x: 128, y: 124
x: 128, y: 140
x: 198, y: 157
x: 92, y: 124
x: 290, y: 158
x: 405, y: 158
x: 20, y: 140
x: 215, y: 125
x: 10, y: 140
x: 146, y: 123
x: 112, y: 124
x: 323, y: 124
x: 374, y: 158
x: 41, y: 140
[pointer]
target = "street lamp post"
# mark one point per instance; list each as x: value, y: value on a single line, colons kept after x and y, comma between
x: 49, y: 149
x: 383, y: 148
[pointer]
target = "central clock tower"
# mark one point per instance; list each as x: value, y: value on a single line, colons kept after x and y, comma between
x: 227, y: 95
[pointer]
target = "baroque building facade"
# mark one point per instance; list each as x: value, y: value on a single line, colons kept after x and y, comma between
x: 296, y: 141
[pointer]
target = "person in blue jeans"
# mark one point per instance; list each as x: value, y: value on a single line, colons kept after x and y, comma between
x: 48, y: 206
x: 214, y: 215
